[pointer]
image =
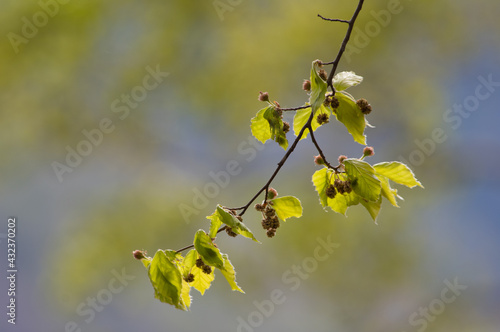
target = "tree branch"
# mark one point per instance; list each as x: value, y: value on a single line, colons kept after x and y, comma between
x: 333, y: 19
x: 308, y: 124
x: 335, y: 62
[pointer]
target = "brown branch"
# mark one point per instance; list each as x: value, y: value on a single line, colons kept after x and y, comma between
x: 308, y: 124
x: 333, y: 19
x: 335, y: 62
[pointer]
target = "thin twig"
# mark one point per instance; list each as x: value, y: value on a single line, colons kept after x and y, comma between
x: 333, y: 19
x: 335, y: 62
x: 313, y: 138
x: 295, y: 108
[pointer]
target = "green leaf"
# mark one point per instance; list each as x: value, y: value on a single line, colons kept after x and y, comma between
x: 301, y: 117
x: 260, y: 126
x: 372, y: 207
x: 363, y: 179
x: 324, y: 178
x: 221, y: 216
x: 215, y: 224
x: 166, y: 280
x: 276, y: 126
x: 207, y: 250
x: 230, y: 274
x: 287, y: 206
x: 341, y: 202
x: 202, y: 281
x: 321, y: 180
x: 185, y: 296
x: 350, y: 115
x: 318, y: 88
x: 267, y: 124
x: 387, y: 191
x: 146, y: 261
x: 345, y: 80
x: 189, y: 262
x: 397, y: 172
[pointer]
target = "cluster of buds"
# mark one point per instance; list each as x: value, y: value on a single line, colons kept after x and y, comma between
x: 230, y: 232
x: 201, y: 265
x: 189, y: 278
x: 342, y: 186
x: 364, y: 106
x: 228, y: 229
x: 332, y: 101
x: 322, y: 118
x: 338, y: 186
x: 286, y: 127
x: 270, y: 221
x: 264, y: 96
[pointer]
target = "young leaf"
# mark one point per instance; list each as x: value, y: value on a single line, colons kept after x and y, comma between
x: 345, y: 80
x: 267, y: 124
x: 350, y: 115
x: 230, y: 274
x: 206, y: 249
x: 324, y: 178
x: 260, y: 126
x: 276, y: 126
x: 221, y: 216
x: 301, y: 117
x: 363, y: 179
x: 287, y: 206
x: 321, y: 180
x: 189, y: 262
x: 397, y: 172
x: 372, y: 207
x: 146, y: 262
x: 185, y: 296
x: 202, y: 281
x: 215, y: 224
x: 318, y: 88
x: 166, y: 280
x: 341, y: 202
x: 387, y: 191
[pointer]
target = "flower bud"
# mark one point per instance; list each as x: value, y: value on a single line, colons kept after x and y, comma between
x: 334, y: 103
x: 230, y: 232
x: 206, y: 269
x: 259, y: 207
x: 342, y: 158
x: 306, y: 86
x: 322, y: 118
x: 286, y: 127
x: 318, y: 160
x: 368, y: 151
x: 263, y: 96
x: 189, y: 278
x: 330, y: 191
x: 200, y: 263
x: 271, y: 232
x: 272, y: 193
x: 138, y: 254
x: 364, y: 106
x: 322, y: 73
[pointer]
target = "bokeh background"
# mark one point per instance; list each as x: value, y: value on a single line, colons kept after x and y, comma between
x: 77, y: 231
